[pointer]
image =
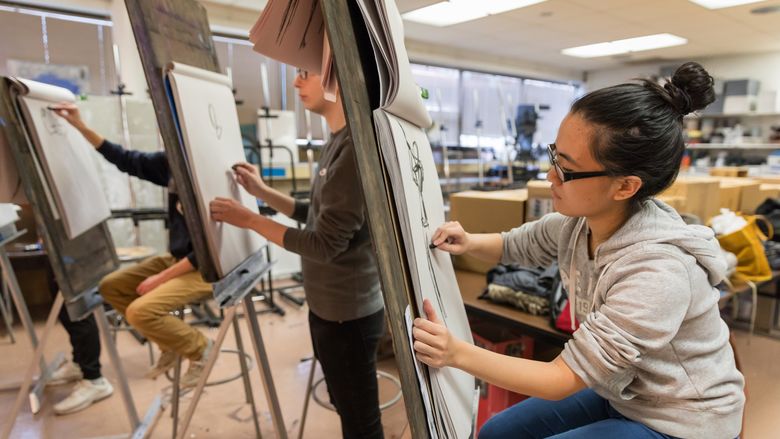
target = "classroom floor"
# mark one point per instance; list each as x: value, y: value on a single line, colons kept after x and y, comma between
x: 222, y: 412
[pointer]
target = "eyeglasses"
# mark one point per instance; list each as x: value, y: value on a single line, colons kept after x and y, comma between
x: 304, y: 74
x: 566, y: 175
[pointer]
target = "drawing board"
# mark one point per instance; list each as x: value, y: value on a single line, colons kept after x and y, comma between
x: 64, y: 157
x: 207, y: 119
x: 418, y: 197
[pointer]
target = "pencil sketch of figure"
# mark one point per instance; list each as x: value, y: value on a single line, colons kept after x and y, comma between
x: 214, y: 121
x: 50, y: 122
x: 418, y: 176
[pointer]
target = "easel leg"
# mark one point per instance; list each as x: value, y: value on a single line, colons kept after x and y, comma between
x: 37, y: 358
x: 21, y: 307
x: 307, y: 398
x: 176, y: 395
x: 264, y: 368
x: 223, y: 328
x: 139, y: 427
x: 6, y: 315
x: 113, y: 355
x: 250, y: 398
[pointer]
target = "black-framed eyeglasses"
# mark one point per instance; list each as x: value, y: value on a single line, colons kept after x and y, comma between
x: 566, y: 175
x: 304, y: 74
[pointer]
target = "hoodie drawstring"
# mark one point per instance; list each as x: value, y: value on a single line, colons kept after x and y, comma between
x: 573, y: 277
x: 573, y: 281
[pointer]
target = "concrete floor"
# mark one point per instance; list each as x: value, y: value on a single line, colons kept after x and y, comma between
x: 222, y: 412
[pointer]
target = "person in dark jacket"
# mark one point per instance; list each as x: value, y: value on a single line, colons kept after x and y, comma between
x: 146, y: 293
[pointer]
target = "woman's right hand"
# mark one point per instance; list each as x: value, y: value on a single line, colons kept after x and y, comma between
x: 451, y: 238
x: 248, y: 176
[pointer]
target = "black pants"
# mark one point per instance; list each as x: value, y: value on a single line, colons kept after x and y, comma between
x: 347, y: 353
x: 85, y: 340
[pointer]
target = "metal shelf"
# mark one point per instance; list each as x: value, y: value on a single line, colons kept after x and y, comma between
x: 730, y: 115
x: 742, y: 146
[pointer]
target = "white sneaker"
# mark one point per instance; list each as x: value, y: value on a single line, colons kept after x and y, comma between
x: 86, y: 393
x: 66, y: 373
x: 190, y: 379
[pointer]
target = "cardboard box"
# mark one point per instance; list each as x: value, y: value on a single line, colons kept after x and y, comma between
x: 768, y: 179
x: 729, y: 171
x: 768, y: 191
x: 729, y: 196
x: 747, y: 198
x: 675, y: 202
x: 702, y: 195
x: 540, y: 201
x: 486, y: 212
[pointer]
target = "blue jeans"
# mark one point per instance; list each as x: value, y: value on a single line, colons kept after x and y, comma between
x: 582, y: 415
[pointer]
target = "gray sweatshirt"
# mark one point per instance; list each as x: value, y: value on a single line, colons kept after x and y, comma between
x: 651, y: 339
x: 340, y: 275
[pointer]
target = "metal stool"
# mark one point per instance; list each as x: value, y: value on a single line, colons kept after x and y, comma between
x: 246, y: 363
x: 311, y: 392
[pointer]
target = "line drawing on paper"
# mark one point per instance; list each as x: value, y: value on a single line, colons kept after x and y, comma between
x: 50, y: 122
x: 418, y: 176
x: 214, y: 122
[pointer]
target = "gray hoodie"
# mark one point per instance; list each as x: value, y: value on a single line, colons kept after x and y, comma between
x: 651, y: 340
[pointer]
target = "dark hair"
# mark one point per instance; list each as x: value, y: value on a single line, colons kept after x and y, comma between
x: 639, y: 125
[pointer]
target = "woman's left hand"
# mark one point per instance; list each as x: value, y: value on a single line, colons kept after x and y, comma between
x: 433, y: 342
x: 231, y: 211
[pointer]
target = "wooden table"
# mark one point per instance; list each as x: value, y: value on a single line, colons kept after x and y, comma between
x: 471, y: 286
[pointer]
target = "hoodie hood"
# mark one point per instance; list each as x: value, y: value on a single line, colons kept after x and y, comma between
x: 656, y: 222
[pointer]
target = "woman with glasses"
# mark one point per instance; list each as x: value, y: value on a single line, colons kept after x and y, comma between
x: 650, y: 356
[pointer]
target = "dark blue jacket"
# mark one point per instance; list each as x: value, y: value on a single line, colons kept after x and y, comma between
x: 153, y: 167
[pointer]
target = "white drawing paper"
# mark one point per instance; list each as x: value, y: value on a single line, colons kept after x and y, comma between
x: 208, y: 122
x: 64, y: 156
x: 419, y: 201
x: 399, y: 94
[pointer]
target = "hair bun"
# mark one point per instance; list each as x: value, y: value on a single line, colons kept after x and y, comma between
x: 690, y: 88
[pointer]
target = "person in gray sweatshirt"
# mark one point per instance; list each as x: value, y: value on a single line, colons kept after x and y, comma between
x: 340, y: 274
x: 650, y: 356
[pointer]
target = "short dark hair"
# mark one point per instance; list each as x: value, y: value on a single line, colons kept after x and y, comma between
x: 639, y: 125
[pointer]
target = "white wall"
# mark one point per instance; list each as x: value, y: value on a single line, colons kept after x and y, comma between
x: 764, y: 67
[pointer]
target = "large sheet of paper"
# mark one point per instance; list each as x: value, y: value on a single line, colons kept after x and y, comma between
x: 399, y: 94
x: 64, y: 156
x: 419, y: 201
x: 205, y: 111
x: 293, y: 32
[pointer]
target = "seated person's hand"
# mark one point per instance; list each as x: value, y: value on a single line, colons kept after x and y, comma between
x: 231, y: 211
x: 451, y: 238
x: 149, y: 284
x: 433, y: 342
x: 248, y: 176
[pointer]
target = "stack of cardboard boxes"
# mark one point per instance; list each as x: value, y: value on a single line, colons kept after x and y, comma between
x: 486, y: 212
x: 493, y: 212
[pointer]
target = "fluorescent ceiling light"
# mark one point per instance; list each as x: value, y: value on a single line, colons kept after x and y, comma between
x: 718, y: 4
x: 628, y: 45
x: 452, y: 12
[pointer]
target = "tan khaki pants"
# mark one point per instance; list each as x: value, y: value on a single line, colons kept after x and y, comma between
x: 150, y: 313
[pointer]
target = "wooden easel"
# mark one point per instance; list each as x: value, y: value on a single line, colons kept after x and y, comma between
x: 358, y: 84
x: 78, y: 265
x: 178, y: 31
